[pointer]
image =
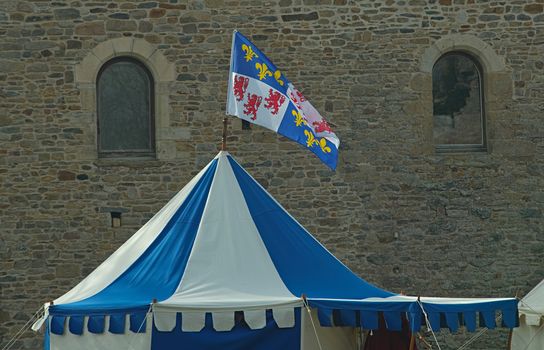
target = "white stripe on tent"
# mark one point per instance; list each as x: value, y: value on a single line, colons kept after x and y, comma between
x: 238, y: 275
x: 193, y: 321
x: 130, y: 251
x: 223, y: 321
x: 255, y: 319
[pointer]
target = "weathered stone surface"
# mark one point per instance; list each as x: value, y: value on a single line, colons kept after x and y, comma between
x: 64, y: 175
x: 312, y: 16
x: 37, y: 67
x: 120, y: 25
x: 11, y: 66
x: 393, y: 206
x: 91, y: 28
x: 156, y: 13
x: 64, y: 14
x: 533, y: 8
x: 40, y: 45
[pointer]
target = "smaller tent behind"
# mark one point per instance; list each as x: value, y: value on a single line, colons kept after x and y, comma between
x: 530, y: 333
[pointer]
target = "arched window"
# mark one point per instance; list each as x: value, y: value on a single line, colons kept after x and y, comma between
x: 458, y: 108
x: 125, y: 104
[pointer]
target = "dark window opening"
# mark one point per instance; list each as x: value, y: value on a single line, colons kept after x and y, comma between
x: 115, y: 219
x: 458, y: 113
x: 125, y: 106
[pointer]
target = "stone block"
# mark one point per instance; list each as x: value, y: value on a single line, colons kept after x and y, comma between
x: 123, y: 45
x: 66, y: 14
x: 117, y: 25
x: 104, y: 51
x: 311, y: 16
x: 90, y: 28
x: 8, y: 66
x: 533, y: 9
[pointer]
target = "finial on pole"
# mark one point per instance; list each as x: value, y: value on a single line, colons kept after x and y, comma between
x: 224, y: 139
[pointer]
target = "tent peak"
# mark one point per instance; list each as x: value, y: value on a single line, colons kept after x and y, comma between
x: 222, y: 154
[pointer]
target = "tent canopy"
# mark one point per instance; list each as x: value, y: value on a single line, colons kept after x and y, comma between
x: 530, y: 334
x: 223, y: 245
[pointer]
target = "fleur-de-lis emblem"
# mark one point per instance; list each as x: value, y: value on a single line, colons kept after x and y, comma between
x: 311, y: 138
x: 299, y: 120
x: 277, y: 76
x: 323, y: 145
x: 249, y: 52
x: 263, y: 70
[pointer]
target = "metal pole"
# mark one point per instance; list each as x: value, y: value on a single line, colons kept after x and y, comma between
x: 412, y: 341
x: 224, y: 139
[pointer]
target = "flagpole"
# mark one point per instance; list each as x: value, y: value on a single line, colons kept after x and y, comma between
x: 224, y: 138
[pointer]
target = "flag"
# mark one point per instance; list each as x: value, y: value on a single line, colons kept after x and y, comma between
x: 259, y: 93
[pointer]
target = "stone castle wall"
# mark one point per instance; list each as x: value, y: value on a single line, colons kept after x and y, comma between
x: 398, y: 214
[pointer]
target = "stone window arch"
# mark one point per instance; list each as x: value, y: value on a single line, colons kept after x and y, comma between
x: 458, y: 103
x: 495, y: 88
x: 162, y: 72
x: 125, y: 109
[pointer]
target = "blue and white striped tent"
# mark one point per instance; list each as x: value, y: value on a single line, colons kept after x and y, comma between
x: 224, y: 266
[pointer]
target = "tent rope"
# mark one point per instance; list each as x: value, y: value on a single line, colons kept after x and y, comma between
x: 534, y: 336
x: 429, y: 328
x: 131, y: 342
x: 477, y: 335
x: 540, y: 329
x: 312, y: 320
x: 21, y: 331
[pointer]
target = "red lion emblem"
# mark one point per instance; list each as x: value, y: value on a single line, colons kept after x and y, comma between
x: 240, y: 86
x: 274, y: 101
x: 297, y: 98
x: 252, y: 105
x: 321, y: 126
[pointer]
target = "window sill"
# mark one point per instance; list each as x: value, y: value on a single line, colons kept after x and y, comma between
x: 457, y: 149
x: 131, y: 162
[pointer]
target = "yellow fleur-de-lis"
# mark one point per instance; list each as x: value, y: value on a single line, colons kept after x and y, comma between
x: 249, y: 52
x: 311, y: 139
x: 323, y: 145
x: 299, y: 120
x: 277, y: 76
x: 263, y: 70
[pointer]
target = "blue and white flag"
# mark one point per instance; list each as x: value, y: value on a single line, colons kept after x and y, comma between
x: 259, y: 93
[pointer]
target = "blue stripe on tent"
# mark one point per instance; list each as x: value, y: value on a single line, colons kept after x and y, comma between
x: 325, y: 317
x: 138, y: 322
x: 347, y: 318
x: 316, y: 272
x: 509, y: 318
x: 469, y: 319
x: 96, y: 324
x: 452, y: 320
x: 241, y: 337
x: 47, y: 336
x: 414, y: 319
x: 117, y: 323
x: 369, y: 319
x: 75, y: 324
x: 393, y: 320
x: 157, y: 272
x: 434, y: 320
x: 57, y: 324
x: 488, y: 318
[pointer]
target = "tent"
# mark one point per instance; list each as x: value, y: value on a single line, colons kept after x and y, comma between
x: 530, y: 333
x: 223, y: 265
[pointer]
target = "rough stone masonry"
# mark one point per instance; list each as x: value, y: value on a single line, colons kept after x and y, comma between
x: 399, y: 214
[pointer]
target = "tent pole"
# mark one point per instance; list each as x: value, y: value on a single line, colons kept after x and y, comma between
x: 412, y: 341
x: 509, y: 346
x: 224, y: 139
